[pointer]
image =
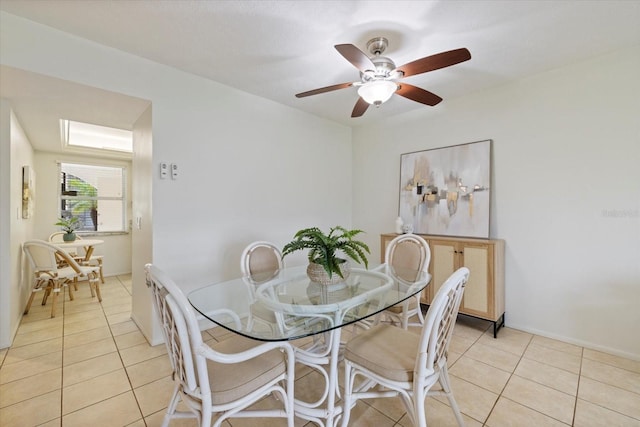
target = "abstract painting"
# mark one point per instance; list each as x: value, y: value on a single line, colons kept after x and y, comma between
x: 446, y: 191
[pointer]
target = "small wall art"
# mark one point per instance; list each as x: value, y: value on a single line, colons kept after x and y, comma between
x: 446, y: 191
x: 28, y: 191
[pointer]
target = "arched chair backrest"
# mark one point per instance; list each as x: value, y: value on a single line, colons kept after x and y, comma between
x: 44, y: 256
x: 439, y: 323
x: 41, y: 255
x: 408, y: 254
x: 407, y: 259
x: 261, y: 261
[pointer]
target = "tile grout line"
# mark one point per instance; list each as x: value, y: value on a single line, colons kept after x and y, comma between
x: 476, y: 341
x: 135, y: 397
x: 575, y: 404
x: 119, y: 356
x: 511, y: 374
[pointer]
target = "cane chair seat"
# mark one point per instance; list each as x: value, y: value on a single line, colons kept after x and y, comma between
x: 242, y: 378
x: 220, y: 381
x: 396, y: 362
x: 385, y: 349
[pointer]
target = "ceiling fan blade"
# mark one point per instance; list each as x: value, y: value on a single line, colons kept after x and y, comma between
x: 323, y: 90
x: 357, y: 57
x: 435, y: 62
x: 360, y: 107
x: 417, y: 94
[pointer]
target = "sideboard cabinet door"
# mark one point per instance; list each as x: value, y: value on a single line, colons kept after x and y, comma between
x: 484, y: 293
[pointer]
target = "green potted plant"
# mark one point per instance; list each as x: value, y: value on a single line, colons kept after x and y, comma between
x: 69, y: 225
x: 325, y: 264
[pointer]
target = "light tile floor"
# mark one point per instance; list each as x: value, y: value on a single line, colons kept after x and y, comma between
x: 91, y: 366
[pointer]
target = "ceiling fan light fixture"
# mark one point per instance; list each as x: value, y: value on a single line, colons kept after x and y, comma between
x: 377, y: 92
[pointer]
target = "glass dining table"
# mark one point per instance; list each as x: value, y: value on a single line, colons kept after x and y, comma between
x: 284, y: 305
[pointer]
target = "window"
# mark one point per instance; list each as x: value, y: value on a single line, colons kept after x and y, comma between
x: 95, y: 194
x: 78, y: 134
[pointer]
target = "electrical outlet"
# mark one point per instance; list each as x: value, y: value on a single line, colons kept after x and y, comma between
x: 174, y: 171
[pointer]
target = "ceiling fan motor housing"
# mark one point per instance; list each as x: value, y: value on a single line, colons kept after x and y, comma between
x: 384, y: 68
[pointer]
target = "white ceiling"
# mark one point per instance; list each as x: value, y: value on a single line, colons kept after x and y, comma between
x: 275, y: 49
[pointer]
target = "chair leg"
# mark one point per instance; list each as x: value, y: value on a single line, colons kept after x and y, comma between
x: 101, y: 275
x: 91, y: 285
x: 445, y: 383
x: 56, y: 291
x: 347, y: 398
x: 46, y: 294
x: 206, y: 414
x: 33, y: 294
x: 96, y: 285
x: 171, y: 409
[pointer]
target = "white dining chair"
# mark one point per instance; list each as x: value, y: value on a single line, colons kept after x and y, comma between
x: 261, y: 261
x: 224, y: 379
x: 52, y: 276
x: 396, y: 362
x: 406, y: 257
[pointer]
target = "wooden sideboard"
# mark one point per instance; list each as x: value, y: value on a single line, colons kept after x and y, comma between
x: 484, y: 293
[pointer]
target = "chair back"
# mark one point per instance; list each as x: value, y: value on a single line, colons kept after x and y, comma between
x: 439, y: 323
x: 261, y: 261
x: 177, y: 320
x: 43, y: 256
x: 407, y: 255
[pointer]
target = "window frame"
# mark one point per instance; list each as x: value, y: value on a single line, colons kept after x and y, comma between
x: 125, y: 193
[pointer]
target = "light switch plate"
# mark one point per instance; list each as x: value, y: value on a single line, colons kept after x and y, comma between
x: 164, y: 170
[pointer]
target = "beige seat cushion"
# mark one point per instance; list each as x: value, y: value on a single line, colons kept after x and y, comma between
x: 386, y: 350
x: 230, y: 382
x: 413, y: 304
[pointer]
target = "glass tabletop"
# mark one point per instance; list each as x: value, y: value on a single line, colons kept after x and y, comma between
x: 286, y: 305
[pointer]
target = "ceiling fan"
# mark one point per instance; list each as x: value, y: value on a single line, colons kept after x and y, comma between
x: 379, y: 75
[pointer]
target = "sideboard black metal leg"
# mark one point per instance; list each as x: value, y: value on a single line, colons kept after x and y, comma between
x: 497, y: 325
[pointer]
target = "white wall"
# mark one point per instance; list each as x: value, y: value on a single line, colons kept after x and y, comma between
x: 116, y: 248
x: 566, y: 190
x: 15, y: 152
x: 250, y: 168
x: 142, y: 230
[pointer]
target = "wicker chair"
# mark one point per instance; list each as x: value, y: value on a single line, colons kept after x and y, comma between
x: 55, y: 269
x: 405, y: 257
x: 226, y: 378
x: 403, y: 363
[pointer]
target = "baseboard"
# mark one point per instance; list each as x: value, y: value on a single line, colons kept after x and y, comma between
x: 569, y: 340
x: 151, y: 342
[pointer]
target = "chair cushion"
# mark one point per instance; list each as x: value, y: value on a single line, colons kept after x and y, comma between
x: 413, y: 304
x: 385, y: 350
x: 231, y: 382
